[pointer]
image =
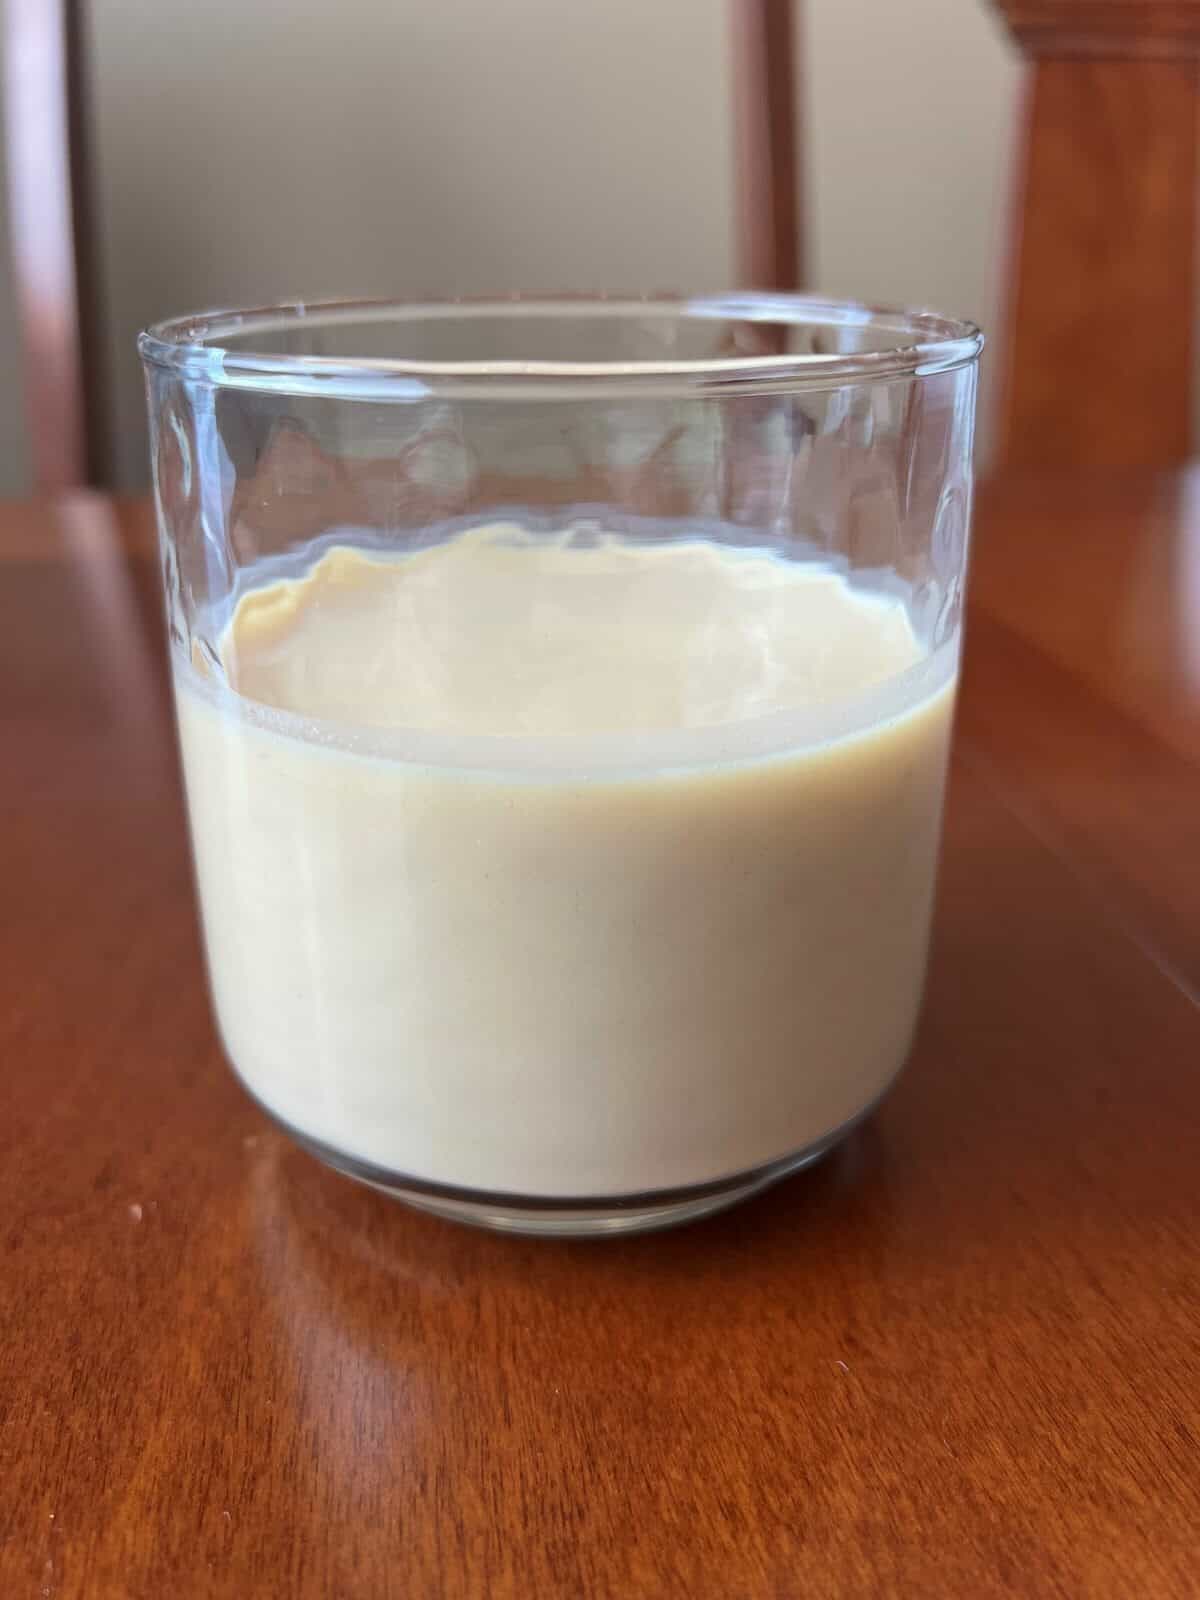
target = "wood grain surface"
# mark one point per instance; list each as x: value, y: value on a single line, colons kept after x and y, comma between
x: 960, y: 1358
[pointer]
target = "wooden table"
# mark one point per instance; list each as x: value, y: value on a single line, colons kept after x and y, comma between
x: 961, y: 1358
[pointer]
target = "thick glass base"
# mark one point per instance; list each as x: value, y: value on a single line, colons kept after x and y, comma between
x: 564, y: 1218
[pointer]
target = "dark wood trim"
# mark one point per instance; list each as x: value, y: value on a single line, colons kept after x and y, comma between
x: 768, y: 253
x: 42, y: 234
x: 1128, y: 29
x: 88, y: 278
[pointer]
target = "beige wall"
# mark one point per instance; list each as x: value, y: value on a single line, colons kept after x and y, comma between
x: 911, y: 111
x: 444, y: 146
x: 247, y: 152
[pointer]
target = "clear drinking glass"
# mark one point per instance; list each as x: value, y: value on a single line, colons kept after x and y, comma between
x: 564, y: 690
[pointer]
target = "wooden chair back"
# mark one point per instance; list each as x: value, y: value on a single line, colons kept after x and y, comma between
x: 1097, y: 348
x: 45, y: 163
x: 767, y: 226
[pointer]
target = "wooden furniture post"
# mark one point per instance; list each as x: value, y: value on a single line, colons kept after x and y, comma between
x: 45, y: 167
x: 766, y: 222
x: 1098, y: 346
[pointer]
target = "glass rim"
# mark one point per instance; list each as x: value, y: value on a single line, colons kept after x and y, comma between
x: 192, y: 347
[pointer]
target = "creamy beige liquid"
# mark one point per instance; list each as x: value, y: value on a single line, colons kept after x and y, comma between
x: 564, y: 870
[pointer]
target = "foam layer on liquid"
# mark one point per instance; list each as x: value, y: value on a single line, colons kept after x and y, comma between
x: 499, y: 632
